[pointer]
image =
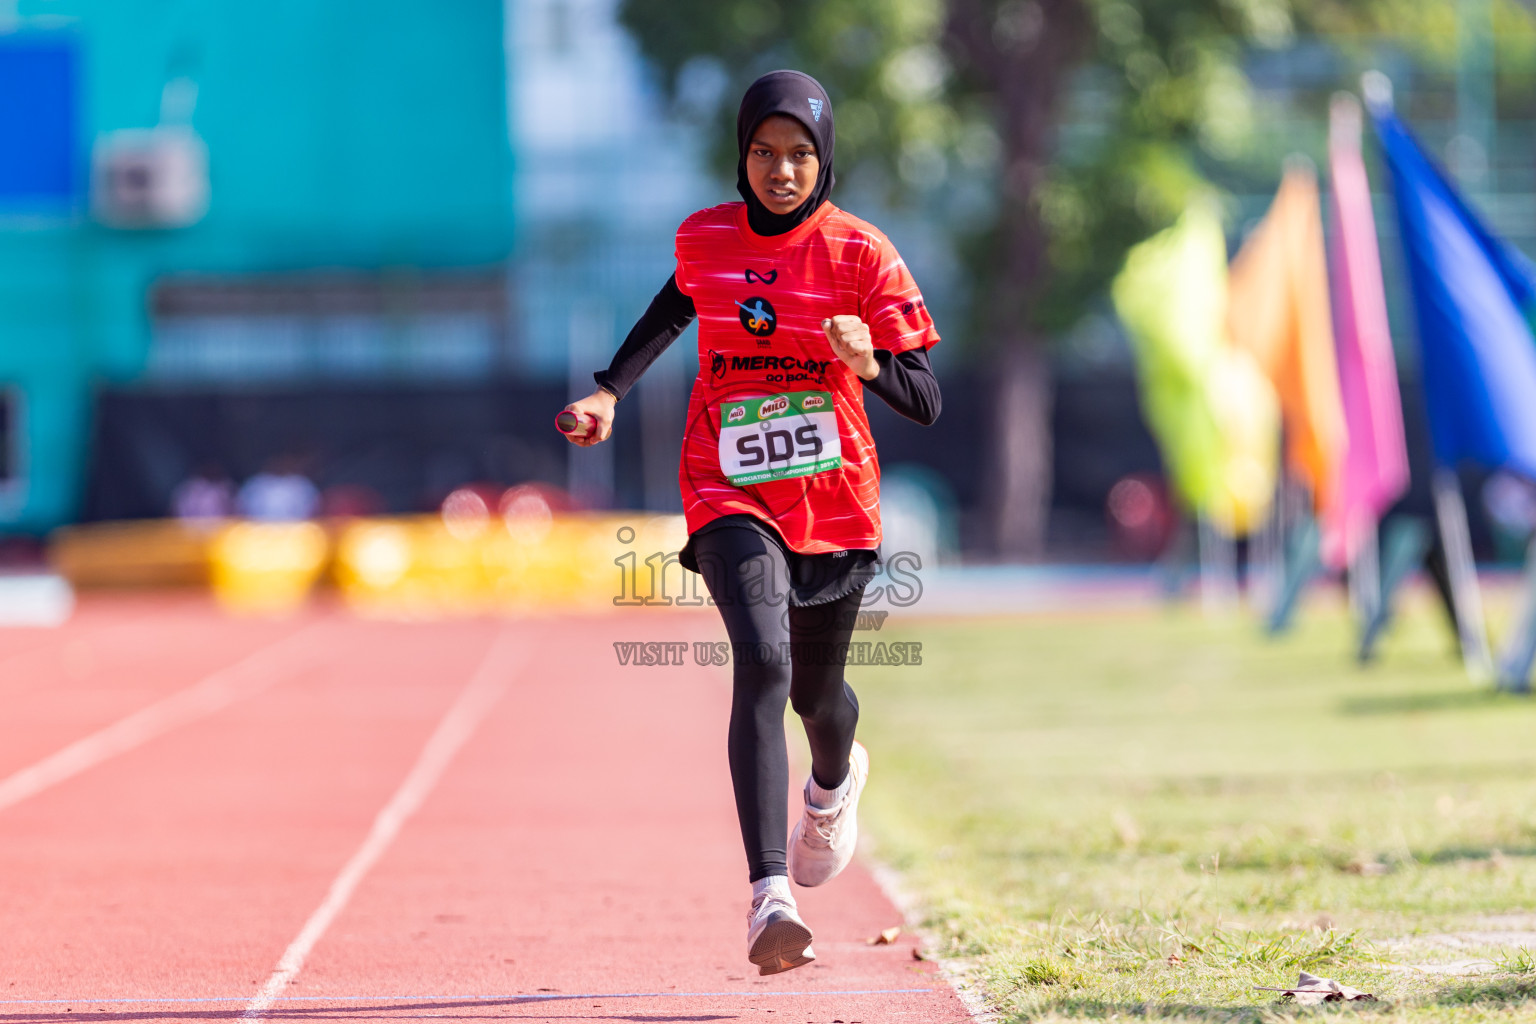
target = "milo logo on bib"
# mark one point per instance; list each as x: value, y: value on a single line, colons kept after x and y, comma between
x: 779, y: 438
x: 773, y: 407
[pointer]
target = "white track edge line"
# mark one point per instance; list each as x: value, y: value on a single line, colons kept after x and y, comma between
x: 481, y: 998
x: 457, y: 725
x: 245, y: 678
x: 955, y: 974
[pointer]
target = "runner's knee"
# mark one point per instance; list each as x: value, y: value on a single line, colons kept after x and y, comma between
x: 756, y: 676
x: 818, y: 693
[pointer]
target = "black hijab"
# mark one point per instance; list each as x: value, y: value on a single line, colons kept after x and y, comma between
x: 797, y: 95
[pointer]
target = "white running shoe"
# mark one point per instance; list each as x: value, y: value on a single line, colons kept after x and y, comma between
x: 777, y: 940
x: 823, y: 840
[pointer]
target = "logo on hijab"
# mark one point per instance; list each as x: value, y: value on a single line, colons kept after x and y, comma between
x: 815, y: 108
x: 757, y: 317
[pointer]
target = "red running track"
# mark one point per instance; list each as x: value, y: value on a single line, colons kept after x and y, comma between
x: 189, y: 802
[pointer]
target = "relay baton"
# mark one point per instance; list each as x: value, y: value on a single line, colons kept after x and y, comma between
x: 575, y: 424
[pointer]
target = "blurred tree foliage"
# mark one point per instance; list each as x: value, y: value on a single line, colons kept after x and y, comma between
x: 926, y: 95
x: 959, y: 104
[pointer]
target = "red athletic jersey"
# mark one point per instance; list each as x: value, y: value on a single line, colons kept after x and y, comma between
x: 760, y: 304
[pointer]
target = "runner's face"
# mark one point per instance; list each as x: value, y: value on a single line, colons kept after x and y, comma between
x: 782, y: 164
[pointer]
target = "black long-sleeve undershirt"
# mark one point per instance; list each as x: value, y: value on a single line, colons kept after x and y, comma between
x: 905, y: 382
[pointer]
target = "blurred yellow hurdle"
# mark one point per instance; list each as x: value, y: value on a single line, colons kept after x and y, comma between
x: 466, y: 561
x: 266, y: 568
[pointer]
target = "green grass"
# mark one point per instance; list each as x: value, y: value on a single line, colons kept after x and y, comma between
x: 1149, y: 814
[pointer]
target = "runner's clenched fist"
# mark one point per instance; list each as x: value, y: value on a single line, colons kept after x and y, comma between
x: 851, y: 342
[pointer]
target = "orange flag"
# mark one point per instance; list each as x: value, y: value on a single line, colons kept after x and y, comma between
x: 1278, y: 311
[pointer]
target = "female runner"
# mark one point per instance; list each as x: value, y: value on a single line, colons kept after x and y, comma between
x: 801, y: 307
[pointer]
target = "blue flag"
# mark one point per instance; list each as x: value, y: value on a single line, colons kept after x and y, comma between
x: 1472, y: 292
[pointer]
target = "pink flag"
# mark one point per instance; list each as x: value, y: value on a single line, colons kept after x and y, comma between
x: 1375, y: 468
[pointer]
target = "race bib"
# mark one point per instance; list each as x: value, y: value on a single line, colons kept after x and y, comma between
x: 778, y: 437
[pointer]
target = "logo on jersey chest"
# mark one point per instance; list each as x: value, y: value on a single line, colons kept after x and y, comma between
x: 774, y: 369
x: 757, y: 316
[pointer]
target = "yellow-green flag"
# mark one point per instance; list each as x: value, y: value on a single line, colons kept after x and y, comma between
x: 1209, y: 405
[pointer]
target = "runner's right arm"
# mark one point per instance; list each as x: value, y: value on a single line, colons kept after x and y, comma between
x: 669, y: 315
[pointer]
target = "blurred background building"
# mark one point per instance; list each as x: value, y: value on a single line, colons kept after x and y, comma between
x: 231, y: 232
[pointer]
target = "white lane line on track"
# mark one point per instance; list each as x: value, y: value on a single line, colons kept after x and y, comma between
x: 474, y: 702
x: 245, y: 678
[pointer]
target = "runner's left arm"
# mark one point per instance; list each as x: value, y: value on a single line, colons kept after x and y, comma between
x: 668, y: 316
x: 906, y: 383
x: 902, y: 331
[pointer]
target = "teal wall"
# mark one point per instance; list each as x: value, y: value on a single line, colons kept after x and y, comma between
x: 358, y: 134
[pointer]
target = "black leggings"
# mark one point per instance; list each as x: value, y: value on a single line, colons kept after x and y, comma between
x: 779, y: 652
